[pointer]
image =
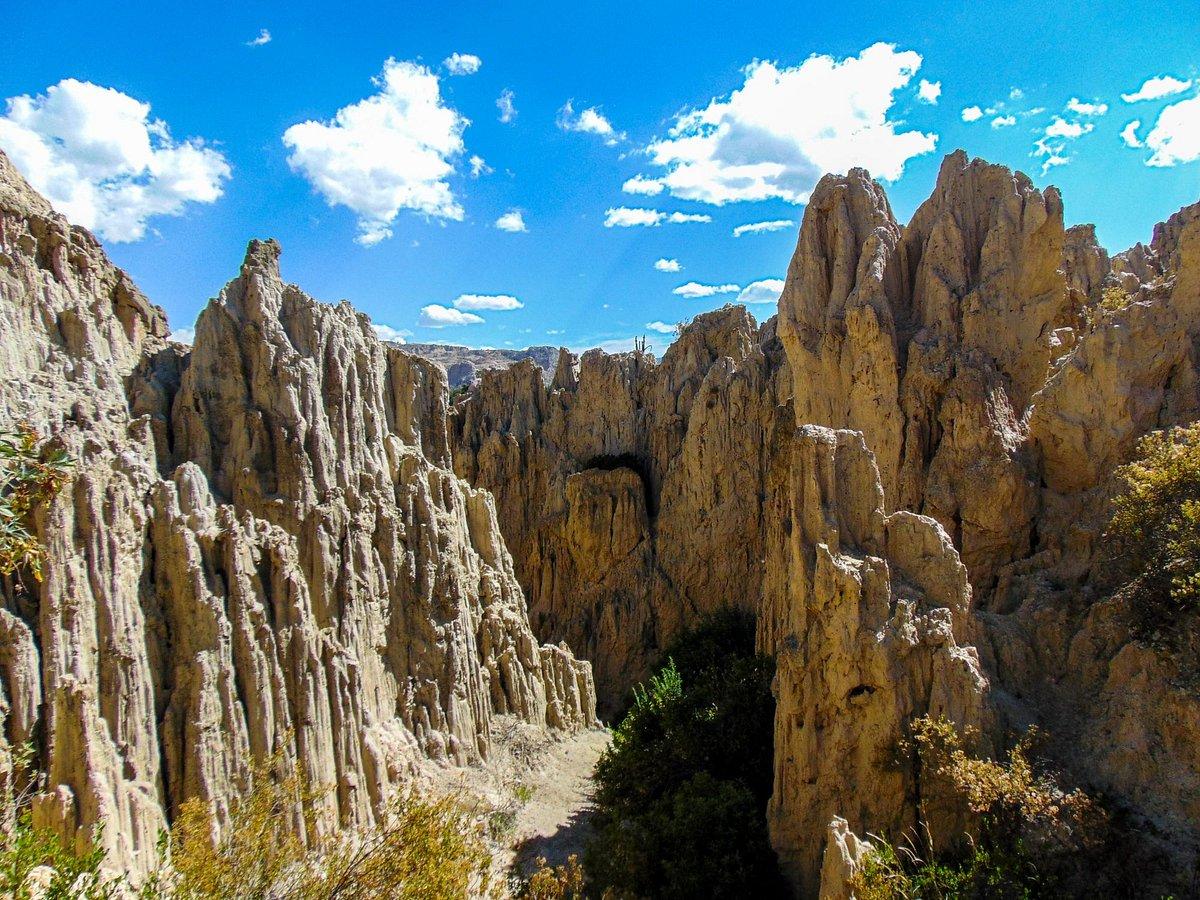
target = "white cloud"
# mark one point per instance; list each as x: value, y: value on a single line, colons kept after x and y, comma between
x: 1054, y: 159
x: 765, y: 291
x: 512, y: 221
x: 183, y: 336
x: 760, y: 227
x: 264, y: 37
x: 972, y: 114
x: 478, y: 166
x: 462, y: 63
x: 640, y: 184
x: 626, y: 217
x: 1129, y: 134
x: 668, y: 265
x: 389, y: 152
x: 504, y: 103
x: 1081, y: 108
x: 1004, y: 121
x: 1156, y: 88
x: 388, y: 333
x: 487, y: 301
x: 1070, y: 130
x: 434, y: 316
x: 1175, y: 137
x: 785, y: 127
x: 692, y: 290
x: 589, y: 121
x: 929, y: 91
x: 100, y: 159
x: 1016, y: 94
x: 661, y: 327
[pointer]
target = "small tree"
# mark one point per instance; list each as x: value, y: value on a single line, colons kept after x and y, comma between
x: 30, y: 473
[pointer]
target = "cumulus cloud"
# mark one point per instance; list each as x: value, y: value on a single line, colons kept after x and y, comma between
x: 183, y: 336
x: 929, y: 91
x: 505, y: 103
x: 589, y: 121
x: 264, y: 37
x: 1079, y: 107
x: 1129, y: 134
x: 661, y: 327
x: 478, y: 166
x: 668, y: 265
x: 785, y: 127
x: 693, y: 291
x: 765, y: 291
x: 462, y: 63
x: 389, y: 152
x: 640, y: 184
x: 1061, y: 128
x: 972, y: 114
x: 1158, y: 87
x: 512, y: 221
x: 487, y: 301
x: 1175, y: 137
x: 627, y: 217
x: 1004, y: 121
x: 100, y: 159
x: 760, y: 227
x: 388, y: 333
x: 434, y: 316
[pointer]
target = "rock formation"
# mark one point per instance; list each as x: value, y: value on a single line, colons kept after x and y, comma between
x: 261, y: 552
x: 634, y: 493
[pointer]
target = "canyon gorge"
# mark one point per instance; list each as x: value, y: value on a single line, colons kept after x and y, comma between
x: 287, y: 540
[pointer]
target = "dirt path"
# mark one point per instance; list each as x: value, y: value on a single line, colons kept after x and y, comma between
x: 554, y: 821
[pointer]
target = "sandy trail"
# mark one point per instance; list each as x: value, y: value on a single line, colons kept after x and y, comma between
x: 555, y: 821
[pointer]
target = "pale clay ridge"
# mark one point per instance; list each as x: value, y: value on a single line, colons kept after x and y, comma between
x: 944, y: 369
x: 262, y: 550
x: 905, y: 478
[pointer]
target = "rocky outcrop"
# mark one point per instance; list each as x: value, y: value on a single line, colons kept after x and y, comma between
x: 981, y: 357
x: 261, y: 552
x: 634, y: 493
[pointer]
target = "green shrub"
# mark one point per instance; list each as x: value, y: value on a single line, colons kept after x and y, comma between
x: 681, y: 795
x: 1155, y: 531
x: 30, y: 474
x: 1030, y: 837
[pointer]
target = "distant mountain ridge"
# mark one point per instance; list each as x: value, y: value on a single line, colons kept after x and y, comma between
x: 462, y: 364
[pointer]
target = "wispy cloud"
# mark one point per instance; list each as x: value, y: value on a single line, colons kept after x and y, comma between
x: 434, y: 316
x: 760, y: 227
x: 588, y: 121
x: 662, y: 327
x: 629, y: 217
x: 507, y: 106
x: 264, y: 37
x: 1158, y: 87
x: 692, y: 290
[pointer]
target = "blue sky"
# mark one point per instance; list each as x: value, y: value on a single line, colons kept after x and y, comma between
x: 175, y: 207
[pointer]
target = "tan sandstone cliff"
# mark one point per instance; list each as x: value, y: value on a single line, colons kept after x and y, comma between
x: 261, y: 550
x: 910, y: 495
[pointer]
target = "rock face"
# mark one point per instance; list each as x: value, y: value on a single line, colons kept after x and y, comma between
x: 908, y: 484
x: 972, y: 353
x: 634, y: 493
x: 262, y: 550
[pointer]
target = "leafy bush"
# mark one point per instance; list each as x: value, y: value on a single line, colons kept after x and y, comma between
x: 24, y: 849
x: 425, y: 848
x: 1155, y: 530
x: 681, y: 795
x: 30, y: 473
x: 565, y: 882
x: 1030, y: 840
